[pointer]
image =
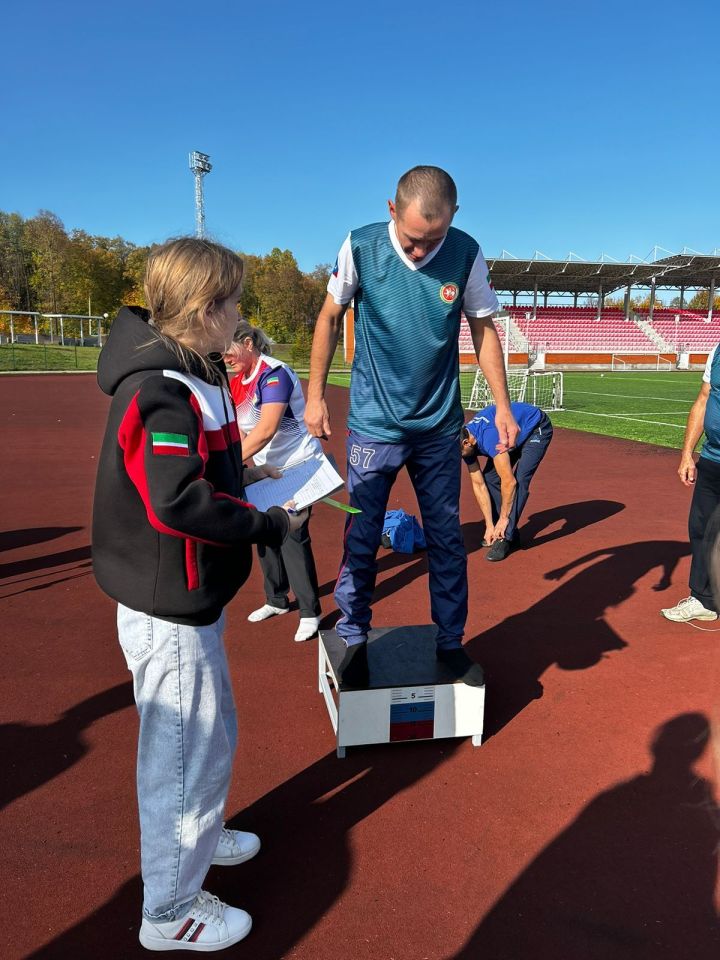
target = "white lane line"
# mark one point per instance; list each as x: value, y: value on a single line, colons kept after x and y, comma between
x: 619, y: 416
x: 625, y: 396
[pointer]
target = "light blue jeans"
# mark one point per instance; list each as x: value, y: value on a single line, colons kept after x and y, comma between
x: 188, y: 734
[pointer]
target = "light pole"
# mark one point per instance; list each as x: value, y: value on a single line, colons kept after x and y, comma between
x: 200, y: 165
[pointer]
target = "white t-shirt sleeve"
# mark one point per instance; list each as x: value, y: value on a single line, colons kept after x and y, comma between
x: 479, y: 299
x: 708, y: 365
x: 343, y: 281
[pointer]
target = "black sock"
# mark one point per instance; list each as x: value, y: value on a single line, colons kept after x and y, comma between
x: 353, y: 670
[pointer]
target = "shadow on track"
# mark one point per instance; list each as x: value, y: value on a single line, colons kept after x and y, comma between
x: 303, y: 867
x: 13, y: 539
x: 633, y: 876
x: 35, y: 753
x: 32, y: 564
x: 574, y: 517
x: 567, y: 627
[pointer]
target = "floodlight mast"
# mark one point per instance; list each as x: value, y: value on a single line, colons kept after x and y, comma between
x: 200, y: 165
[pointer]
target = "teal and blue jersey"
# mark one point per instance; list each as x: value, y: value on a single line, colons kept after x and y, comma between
x: 405, y: 375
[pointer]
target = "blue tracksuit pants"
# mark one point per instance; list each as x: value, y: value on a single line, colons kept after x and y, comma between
x: 433, y: 463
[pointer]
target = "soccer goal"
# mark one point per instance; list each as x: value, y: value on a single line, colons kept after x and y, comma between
x: 649, y: 361
x: 544, y: 390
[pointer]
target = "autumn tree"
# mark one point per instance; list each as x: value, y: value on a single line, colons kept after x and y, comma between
x: 48, y: 244
x: 15, y: 264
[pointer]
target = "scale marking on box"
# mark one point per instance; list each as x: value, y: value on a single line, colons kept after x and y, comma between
x: 410, y: 695
x: 412, y: 713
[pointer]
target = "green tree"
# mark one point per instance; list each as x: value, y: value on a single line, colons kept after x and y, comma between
x: 48, y: 244
x: 15, y: 263
x: 134, y: 273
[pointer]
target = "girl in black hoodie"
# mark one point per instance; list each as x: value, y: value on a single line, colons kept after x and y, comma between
x: 172, y: 543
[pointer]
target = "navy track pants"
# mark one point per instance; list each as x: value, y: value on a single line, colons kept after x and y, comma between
x: 433, y: 463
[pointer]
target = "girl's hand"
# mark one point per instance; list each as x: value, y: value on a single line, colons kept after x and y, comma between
x: 296, y: 517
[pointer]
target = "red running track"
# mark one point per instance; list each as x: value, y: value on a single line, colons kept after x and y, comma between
x: 585, y: 826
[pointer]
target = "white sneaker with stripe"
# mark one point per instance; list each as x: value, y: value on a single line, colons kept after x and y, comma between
x: 235, y: 846
x: 209, y: 925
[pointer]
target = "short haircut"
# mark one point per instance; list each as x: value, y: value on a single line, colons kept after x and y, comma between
x: 432, y: 188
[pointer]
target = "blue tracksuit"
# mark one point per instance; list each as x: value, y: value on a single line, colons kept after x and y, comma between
x: 531, y: 446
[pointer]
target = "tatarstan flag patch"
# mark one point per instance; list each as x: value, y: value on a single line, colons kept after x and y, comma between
x: 272, y: 381
x: 171, y: 444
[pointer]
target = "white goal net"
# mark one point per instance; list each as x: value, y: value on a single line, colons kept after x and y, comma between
x: 544, y: 390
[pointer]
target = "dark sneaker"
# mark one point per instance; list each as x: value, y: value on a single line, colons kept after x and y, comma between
x: 353, y: 670
x: 462, y: 666
x: 499, y: 550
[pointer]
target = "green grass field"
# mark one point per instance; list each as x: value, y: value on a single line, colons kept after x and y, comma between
x: 645, y: 406
x: 46, y: 357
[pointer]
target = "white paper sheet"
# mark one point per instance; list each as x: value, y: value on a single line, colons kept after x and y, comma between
x: 305, y: 483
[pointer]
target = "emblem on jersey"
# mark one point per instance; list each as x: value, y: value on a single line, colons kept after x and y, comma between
x: 449, y: 292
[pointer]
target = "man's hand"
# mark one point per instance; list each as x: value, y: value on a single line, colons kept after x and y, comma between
x: 507, y: 429
x: 488, y: 538
x: 252, y: 474
x: 317, y: 419
x: 498, y: 531
x: 687, y: 471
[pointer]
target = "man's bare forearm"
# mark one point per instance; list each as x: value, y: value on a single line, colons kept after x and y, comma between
x: 325, y: 340
x: 694, y: 427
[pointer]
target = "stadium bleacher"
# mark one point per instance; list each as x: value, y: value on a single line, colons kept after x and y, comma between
x: 578, y: 329
x: 691, y: 331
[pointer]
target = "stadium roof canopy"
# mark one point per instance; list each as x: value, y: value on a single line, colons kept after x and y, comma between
x: 686, y: 270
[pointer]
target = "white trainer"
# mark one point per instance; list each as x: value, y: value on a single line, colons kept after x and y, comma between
x: 689, y: 609
x: 209, y: 925
x: 307, y: 628
x: 235, y: 846
x: 266, y: 611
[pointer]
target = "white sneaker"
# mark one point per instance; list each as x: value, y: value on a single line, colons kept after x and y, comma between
x: 209, y: 925
x: 308, y: 628
x: 266, y: 611
x: 235, y: 846
x: 689, y: 609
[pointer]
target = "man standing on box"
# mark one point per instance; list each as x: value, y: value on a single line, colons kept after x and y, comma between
x: 410, y: 278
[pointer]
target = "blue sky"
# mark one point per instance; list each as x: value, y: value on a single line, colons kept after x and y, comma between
x: 567, y: 126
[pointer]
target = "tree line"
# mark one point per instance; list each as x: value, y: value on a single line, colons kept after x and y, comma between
x: 47, y: 269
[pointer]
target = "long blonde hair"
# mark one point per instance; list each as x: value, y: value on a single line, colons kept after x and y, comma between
x: 183, y: 278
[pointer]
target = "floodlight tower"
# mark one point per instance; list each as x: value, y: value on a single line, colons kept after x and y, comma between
x: 200, y: 165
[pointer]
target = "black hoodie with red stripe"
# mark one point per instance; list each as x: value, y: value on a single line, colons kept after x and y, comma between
x: 172, y: 535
